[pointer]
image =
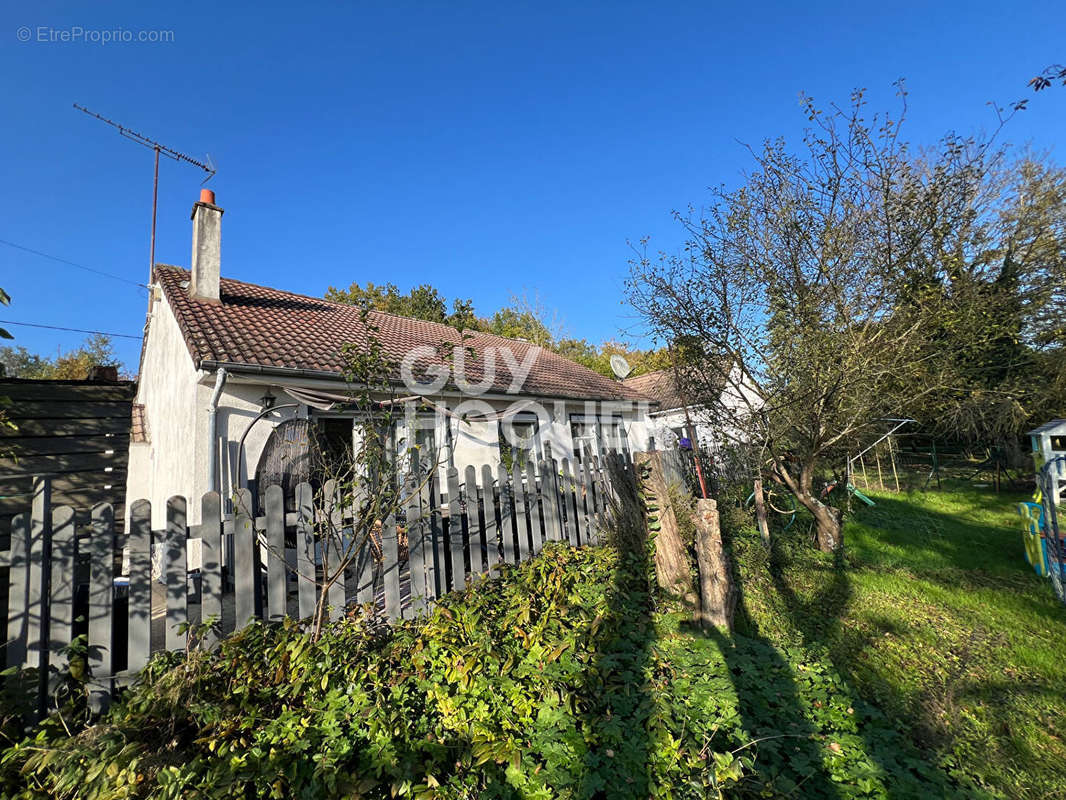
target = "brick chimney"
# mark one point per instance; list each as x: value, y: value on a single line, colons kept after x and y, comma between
x: 206, y: 248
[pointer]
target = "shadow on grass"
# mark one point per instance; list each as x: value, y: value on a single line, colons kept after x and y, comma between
x: 954, y: 552
x: 910, y: 532
x: 770, y: 707
x: 616, y: 686
x: 818, y: 621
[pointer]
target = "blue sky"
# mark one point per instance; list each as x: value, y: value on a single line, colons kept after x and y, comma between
x: 489, y: 149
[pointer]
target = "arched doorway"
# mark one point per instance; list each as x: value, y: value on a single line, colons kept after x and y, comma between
x: 286, y: 460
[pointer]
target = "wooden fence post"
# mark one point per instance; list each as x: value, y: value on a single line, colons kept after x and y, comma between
x: 522, y: 536
x: 717, y: 595
x: 307, y: 597
x: 455, y: 531
x: 39, y: 552
x: 277, y: 577
x: 508, y: 512
x: 551, y: 508
x: 139, y: 631
x: 244, y: 565
x: 333, y: 550
x: 760, y: 512
x: 176, y: 573
x: 581, y: 502
x: 533, y: 498
x: 390, y: 554
x: 474, y: 527
x: 17, y: 590
x: 417, y: 504
x: 61, y: 603
x: 589, y: 500
x: 568, y: 502
x: 101, y: 592
x: 436, y: 574
x: 493, y: 514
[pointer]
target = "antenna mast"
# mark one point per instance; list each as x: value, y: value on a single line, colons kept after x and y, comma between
x: 209, y: 168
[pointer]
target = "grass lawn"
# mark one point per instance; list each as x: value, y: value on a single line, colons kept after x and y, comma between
x: 936, y: 619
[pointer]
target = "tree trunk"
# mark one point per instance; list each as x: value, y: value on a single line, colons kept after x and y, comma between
x: 760, y: 513
x: 717, y: 596
x: 672, y: 569
x: 827, y: 529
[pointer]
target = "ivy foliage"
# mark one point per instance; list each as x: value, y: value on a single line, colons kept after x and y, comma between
x: 560, y: 679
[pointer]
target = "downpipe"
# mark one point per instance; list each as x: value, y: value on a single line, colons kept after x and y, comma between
x: 212, y: 429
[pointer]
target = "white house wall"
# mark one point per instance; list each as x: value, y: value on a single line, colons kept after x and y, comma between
x: 661, y: 428
x: 176, y: 461
x: 473, y: 442
x: 167, y: 387
x: 238, y: 405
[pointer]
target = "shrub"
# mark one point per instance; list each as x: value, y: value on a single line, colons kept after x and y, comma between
x: 559, y: 679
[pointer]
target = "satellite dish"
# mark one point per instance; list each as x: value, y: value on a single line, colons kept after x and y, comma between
x: 620, y: 366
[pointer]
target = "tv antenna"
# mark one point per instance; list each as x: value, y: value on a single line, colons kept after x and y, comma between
x: 160, y: 149
x: 620, y: 367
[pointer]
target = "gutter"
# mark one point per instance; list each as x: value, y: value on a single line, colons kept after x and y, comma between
x: 212, y: 429
x: 335, y: 377
x: 259, y: 369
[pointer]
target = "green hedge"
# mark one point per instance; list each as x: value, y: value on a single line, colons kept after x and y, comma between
x: 559, y: 680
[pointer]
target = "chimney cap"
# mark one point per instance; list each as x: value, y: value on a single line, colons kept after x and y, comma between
x: 207, y: 198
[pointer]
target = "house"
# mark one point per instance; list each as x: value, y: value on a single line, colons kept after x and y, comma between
x: 234, y: 376
x: 672, y: 422
x: 1048, y: 446
x: 669, y: 426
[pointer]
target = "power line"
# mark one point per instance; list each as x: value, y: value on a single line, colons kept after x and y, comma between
x: 72, y: 263
x: 72, y: 330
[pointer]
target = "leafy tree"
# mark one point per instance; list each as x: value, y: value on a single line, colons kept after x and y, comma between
x: 998, y: 280
x: 523, y: 318
x: 18, y: 362
x: 421, y: 302
x: 785, y: 295
x: 5, y: 300
x: 519, y: 323
x: 1055, y: 72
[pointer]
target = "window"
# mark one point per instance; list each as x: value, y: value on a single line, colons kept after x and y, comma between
x: 519, y: 443
x: 614, y: 436
x: 584, y: 435
x: 592, y: 435
x: 418, y: 444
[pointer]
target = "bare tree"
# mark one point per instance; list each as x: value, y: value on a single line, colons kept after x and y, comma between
x: 364, y: 484
x: 795, y: 329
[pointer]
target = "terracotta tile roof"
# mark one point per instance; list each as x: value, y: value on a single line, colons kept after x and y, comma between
x: 256, y: 325
x: 139, y: 425
x: 659, y: 386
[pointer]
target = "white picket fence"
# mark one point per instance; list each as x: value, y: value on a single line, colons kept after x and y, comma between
x: 66, y: 579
